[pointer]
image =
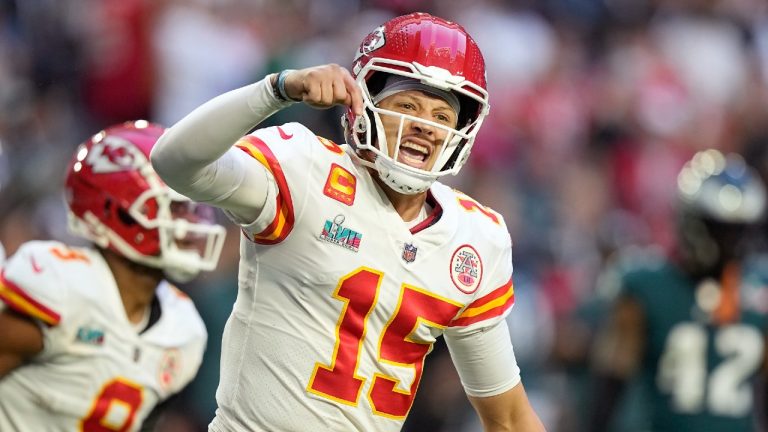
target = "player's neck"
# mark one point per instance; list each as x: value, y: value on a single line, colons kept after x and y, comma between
x: 136, y: 283
x: 407, y: 206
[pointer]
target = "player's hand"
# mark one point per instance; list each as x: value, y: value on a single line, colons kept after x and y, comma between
x: 325, y: 86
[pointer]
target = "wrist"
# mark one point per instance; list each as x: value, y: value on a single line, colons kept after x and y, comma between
x: 277, y: 81
x: 263, y: 98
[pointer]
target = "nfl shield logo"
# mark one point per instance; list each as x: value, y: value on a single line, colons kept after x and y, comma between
x: 409, y: 252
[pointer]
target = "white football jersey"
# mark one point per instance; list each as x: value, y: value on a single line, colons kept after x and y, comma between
x: 339, y: 301
x: 96, y: 373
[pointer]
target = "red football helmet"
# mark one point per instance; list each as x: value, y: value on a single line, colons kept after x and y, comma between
x: 117, y: 201
x: 438, y: 53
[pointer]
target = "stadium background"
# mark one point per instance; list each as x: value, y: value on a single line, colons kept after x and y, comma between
x: 595, y: 105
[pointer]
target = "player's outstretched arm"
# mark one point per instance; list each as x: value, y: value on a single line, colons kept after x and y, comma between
x: 20, y: 339
x: 195, y: 156
x: 507, y: 412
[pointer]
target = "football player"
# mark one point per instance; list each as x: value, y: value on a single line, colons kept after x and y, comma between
x: 354, y: 257
x: 93, y: 338
x: 690, y: 328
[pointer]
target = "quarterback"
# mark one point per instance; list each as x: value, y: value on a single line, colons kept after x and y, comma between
x: 354, y: 258
x: 92, y: 339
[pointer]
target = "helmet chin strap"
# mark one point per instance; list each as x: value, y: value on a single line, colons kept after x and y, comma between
x: 396, y: 178
x: 399, y: 180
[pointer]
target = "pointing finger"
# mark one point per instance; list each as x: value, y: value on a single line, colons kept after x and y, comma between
x: 355, y: 100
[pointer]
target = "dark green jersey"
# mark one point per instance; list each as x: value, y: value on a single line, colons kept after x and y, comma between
x: 700, y: 374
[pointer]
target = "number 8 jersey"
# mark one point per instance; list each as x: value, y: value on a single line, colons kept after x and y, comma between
x: 96, y: 372
x: 340, y: 301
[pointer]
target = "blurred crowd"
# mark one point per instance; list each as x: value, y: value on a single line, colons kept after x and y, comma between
x: 595, y: 106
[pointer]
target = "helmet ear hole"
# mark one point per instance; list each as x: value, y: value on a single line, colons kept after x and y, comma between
x: 454, y: 157
x: 125, y: 218
x: 470, y: 110
x: 375, y: 82
x: 360, y: 126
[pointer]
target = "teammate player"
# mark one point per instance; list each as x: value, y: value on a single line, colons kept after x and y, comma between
x: 92, y: 339
x: 354, y: 258
x: 693, y: 329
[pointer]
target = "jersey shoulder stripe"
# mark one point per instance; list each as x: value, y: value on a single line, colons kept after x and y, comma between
x: 21, y: 302
x: 491, y: 305
x: 469, y: 204
x: 331, y: 146
x: 284, y: 220
x: 486, y: 222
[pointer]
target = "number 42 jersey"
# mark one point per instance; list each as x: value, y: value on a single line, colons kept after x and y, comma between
x: 700, y: 372
x: 340, y: 301
x: 96, y: 373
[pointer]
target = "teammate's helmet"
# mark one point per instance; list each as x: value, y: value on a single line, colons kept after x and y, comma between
x: 438, y: 53
x: 720, y: 199
x: 116, y: 200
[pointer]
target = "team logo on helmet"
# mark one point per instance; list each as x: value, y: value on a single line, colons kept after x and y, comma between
x: 114, y: 154
x: 466, y: 269
x: 372, y: 42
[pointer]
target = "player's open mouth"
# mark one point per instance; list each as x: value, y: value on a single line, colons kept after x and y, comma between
x: 414, y: 155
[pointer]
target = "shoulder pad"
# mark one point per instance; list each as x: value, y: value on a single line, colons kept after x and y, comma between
x: 33, y: 281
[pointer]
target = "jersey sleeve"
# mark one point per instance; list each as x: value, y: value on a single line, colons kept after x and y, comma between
x: 30, y: 283
x: 494, y: 298
x: 478, y: 337
x: 485, y: 360
x: 289, y: 153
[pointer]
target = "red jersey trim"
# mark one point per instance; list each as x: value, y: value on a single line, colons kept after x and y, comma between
x: 21, y: 302
x: 491, y: 305
x: 282, y: 224
x: 434, y: 216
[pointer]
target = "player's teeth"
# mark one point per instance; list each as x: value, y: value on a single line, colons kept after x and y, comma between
x: 417, y: 147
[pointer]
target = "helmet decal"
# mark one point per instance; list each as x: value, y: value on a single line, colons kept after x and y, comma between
x: 113, y: 154
x: 372, y: 42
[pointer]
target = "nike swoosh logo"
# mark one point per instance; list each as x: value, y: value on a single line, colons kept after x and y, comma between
x: 35, y: 267
x: 284, y: 135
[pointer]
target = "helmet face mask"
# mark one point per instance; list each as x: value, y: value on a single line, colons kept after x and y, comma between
x: 439, y: 54
x: 721, y: 200
x: 117, y: 201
